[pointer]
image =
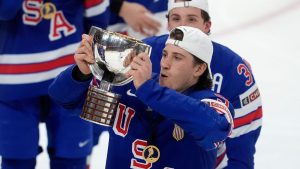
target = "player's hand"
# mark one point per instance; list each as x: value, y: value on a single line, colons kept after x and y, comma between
x: 128, y: 59
x: 139, y: 18
x: 84, y: 54
x: 141, y: 69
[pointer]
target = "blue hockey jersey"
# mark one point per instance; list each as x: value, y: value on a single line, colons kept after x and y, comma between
x: 233, y: 79
x: 205, y: 121
x: 29, y: 63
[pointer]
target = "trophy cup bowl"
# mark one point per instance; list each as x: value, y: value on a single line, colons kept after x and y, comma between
x: 113, y: 53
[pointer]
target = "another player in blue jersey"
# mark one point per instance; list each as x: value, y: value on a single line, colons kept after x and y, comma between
x: 37, y: 41
x: 166, y: 120
x: 232, y: 78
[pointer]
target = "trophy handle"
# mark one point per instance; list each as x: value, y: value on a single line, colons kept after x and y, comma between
x: 96, y: 71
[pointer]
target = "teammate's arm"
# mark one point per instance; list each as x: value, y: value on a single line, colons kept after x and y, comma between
x: 247, y: 121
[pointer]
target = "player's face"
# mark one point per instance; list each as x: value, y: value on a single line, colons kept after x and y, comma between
x: 191, y: 16
x: 178, y: 69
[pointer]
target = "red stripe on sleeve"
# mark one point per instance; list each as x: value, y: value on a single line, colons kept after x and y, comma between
x: 220, y: 158
x: 36, y: 67
x: 257, y: 114
x: 91, y: 3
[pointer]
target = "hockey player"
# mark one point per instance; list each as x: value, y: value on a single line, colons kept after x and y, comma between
x: 186, y: 121
x: 232, y: 78
x: 37, y: 41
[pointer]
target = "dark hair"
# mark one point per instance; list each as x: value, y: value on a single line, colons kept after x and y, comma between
x: 176, y: 34
x: 204, y: 81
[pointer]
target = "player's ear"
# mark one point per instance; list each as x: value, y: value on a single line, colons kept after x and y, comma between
x: 207, y: 26
x: 200, y: 69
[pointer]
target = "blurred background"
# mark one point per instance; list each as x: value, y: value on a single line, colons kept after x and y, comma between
x: 264, y: 32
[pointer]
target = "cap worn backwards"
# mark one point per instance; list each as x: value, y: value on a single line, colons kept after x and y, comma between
x: 201, y: 4
x: 193, y: 41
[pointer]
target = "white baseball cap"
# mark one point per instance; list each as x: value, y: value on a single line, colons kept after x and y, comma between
x: 201, y: 4
x: 195, y: 42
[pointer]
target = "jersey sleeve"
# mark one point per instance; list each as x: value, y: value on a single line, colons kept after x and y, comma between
x: 207, y: 126
x: 247, y: 120
x: 96, y: 13
x: 66, y: 91
x: 234, y: 79
x: 9, y: 9
x: 247, y: 103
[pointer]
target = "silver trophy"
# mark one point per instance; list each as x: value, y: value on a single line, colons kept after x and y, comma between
x: 113, y: 53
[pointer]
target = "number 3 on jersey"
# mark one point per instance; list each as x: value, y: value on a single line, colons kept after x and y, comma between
x: 243, y: 69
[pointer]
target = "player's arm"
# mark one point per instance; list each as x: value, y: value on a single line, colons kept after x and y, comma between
x: 68, y: 91
x: 247, y: 121
x: 208, y: 120
x: 70, y: 86
x: 9, y: 9
x: 197, y: 118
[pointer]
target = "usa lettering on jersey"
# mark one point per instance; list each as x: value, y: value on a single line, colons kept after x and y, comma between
x: 36, y: 11
x: 123, y: 118
x: 217, y: 82
x: 138, y: 161
x: 121, y: 126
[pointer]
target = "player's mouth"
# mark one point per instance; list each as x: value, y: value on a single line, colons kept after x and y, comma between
x: 162, y: 75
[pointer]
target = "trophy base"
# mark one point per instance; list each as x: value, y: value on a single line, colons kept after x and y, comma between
x: 100, y: 106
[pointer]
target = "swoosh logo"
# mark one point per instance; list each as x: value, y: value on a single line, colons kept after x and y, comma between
x: 129, y: 93
x: 83, y: 143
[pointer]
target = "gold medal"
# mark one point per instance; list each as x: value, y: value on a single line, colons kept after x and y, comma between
x: 178, y: 133
x: 151, y: 154
x: 48, y: 10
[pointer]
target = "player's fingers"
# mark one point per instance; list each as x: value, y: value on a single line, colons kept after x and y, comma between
x: 83, y: 58
x: 151, y: 22
x: 140, y: 29
x: 150, y: 26
x: 88, y: 38
x: 128, y: 59
x: 143, y: 56
x: 134, y: 66
x: 143, y: 28
x: 83, y: 54
x: 130, y: 73
x: 87, y: 43
x: 86, y: 48
x: 138, y: 61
